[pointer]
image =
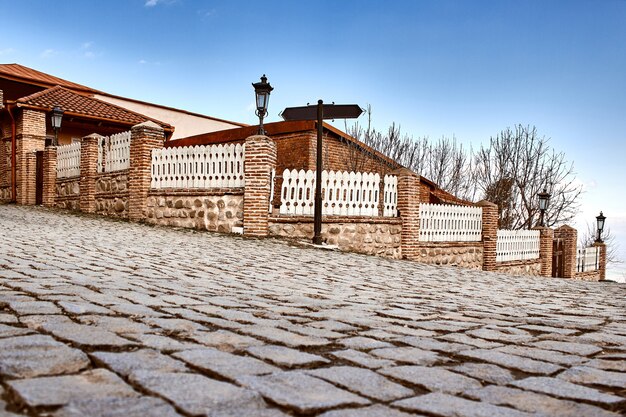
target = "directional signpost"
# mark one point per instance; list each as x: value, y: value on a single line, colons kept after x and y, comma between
x: 320, y: 112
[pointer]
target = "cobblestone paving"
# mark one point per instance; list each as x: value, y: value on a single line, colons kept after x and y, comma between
x: 107, y: 318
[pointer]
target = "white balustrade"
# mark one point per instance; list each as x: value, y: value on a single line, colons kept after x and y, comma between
x: 68, y: 160
x: 118, y: 153
x: 201, y: 166
x: 448, y: 223
x: 587, y: 259
x: 343, y: 193
x: 517, y: 245
x: 391, y: 196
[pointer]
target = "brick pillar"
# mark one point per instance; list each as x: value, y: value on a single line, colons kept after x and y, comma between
x: 49, y: 176
x: 144, y: 138
x: 260, y: 160
x: 490, y: 234
x: 602, y: 264
x: 409, y: 211
x: 30, y: 137
x: 569, y: 236
x: 546, y: 237
x: 88, y: 171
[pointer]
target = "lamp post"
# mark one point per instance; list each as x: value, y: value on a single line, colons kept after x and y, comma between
x: 544, y: 198
x: 262, y: 92
x: 600, y: 223
x: 57, y: 116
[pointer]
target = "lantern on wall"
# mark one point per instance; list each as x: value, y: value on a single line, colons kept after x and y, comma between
x: 55, y: 119
x: 262, y: 92
x: 544, y: 199
x: 600, y: 223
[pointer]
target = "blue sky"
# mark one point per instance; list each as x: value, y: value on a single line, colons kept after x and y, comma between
x: 439, y: 67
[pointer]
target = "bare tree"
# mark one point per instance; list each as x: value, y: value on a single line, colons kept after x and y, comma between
x: 526, y: 160
x: 511, y: 170
x: 588, y: 237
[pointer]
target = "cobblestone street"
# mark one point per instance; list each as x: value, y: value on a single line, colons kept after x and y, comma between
x: 108, y: 318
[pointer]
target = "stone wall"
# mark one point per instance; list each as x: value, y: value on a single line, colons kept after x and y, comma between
x: 371, y: 236
x: 68, y: 193
x: 465, y: 255
x: 587, y: 276
x: 112, y: 194
x: 212, y: 210
x: 530, y: 267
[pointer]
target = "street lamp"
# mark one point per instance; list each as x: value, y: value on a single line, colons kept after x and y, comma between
x: 600, y: 220
x: 57, y: 116
x: 544, y: 198
x: 262, y: 91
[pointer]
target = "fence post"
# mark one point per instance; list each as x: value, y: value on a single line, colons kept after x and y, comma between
x: 569, y: 236
x: 546, y: 238
x: 490, y: 234
x: 260, y: 160
x: 144, y: 137
x: 409, y: 211
x: 49, y: 176
x: 30, y: 137
x: 88, y: 171
x: 602, y: 264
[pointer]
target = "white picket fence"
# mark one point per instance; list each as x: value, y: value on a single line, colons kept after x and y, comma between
x: 68, y: 160
x: 117, y: 152
x: 390, y: 208
x: 202, y: 166
x: 517, y: 245
x: 448, y: 223
x: 587, y: 259
x: 343, y: 193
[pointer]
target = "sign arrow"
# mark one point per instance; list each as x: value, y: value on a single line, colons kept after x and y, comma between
x: 330, y: 111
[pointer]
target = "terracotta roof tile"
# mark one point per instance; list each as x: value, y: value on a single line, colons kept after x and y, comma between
x: 21, y: 73
x: 81, y: 105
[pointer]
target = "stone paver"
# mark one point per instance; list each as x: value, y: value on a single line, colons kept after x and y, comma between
x: 536, y: 403
x: 564, y: 389
x: 363, y: 382
x: 302, y: 392
x: 433, y: 379
x: 119, y: 319
x: 60, y: 390
x: 196, y: 394
x: 445, y: 405
x: 38, y: 355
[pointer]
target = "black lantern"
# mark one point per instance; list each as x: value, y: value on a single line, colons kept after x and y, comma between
x: 544, y: 198
x: 600, y: 221
x: 262, y: 91
x: 57, y: 116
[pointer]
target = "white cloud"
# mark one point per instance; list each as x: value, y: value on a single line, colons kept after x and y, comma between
x: 143, y: 61
x: 151, y: 3
x: 86, y: 45
x: 48, y: 53
x: 6, y: 51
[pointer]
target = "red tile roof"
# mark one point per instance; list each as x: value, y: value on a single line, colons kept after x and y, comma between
x: 79, y: 105
x: 21, y: 73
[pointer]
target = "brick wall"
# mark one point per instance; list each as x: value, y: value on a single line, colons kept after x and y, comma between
x: 408, y: 207
x: 49, y: 176
x: 144, y: 138
x: 569, y: 235
x: 546, y: 238
x: 112, y: 194
x: 30, y: 137
x: 490, y: 234
x: 259, y: 163
x: 88, y: 172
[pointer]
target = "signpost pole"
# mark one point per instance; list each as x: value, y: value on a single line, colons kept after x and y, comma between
x: 317, y: 223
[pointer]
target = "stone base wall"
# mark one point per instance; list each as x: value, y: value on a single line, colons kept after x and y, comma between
x: 5, y: 194
x: 112, y: 194
x: 370, y: 236
x: 68, y: 193
x: 464, y: 255
x: 210, y: 210
x: 588, y: 276
x: 530, y: 267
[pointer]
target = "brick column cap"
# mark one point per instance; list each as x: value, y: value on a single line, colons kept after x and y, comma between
x: 485, y: 203
x: 148, y: 124
x: 405, y: 172
x: 565, y: 227
x: 258, y: 137
x: 92, y: 136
